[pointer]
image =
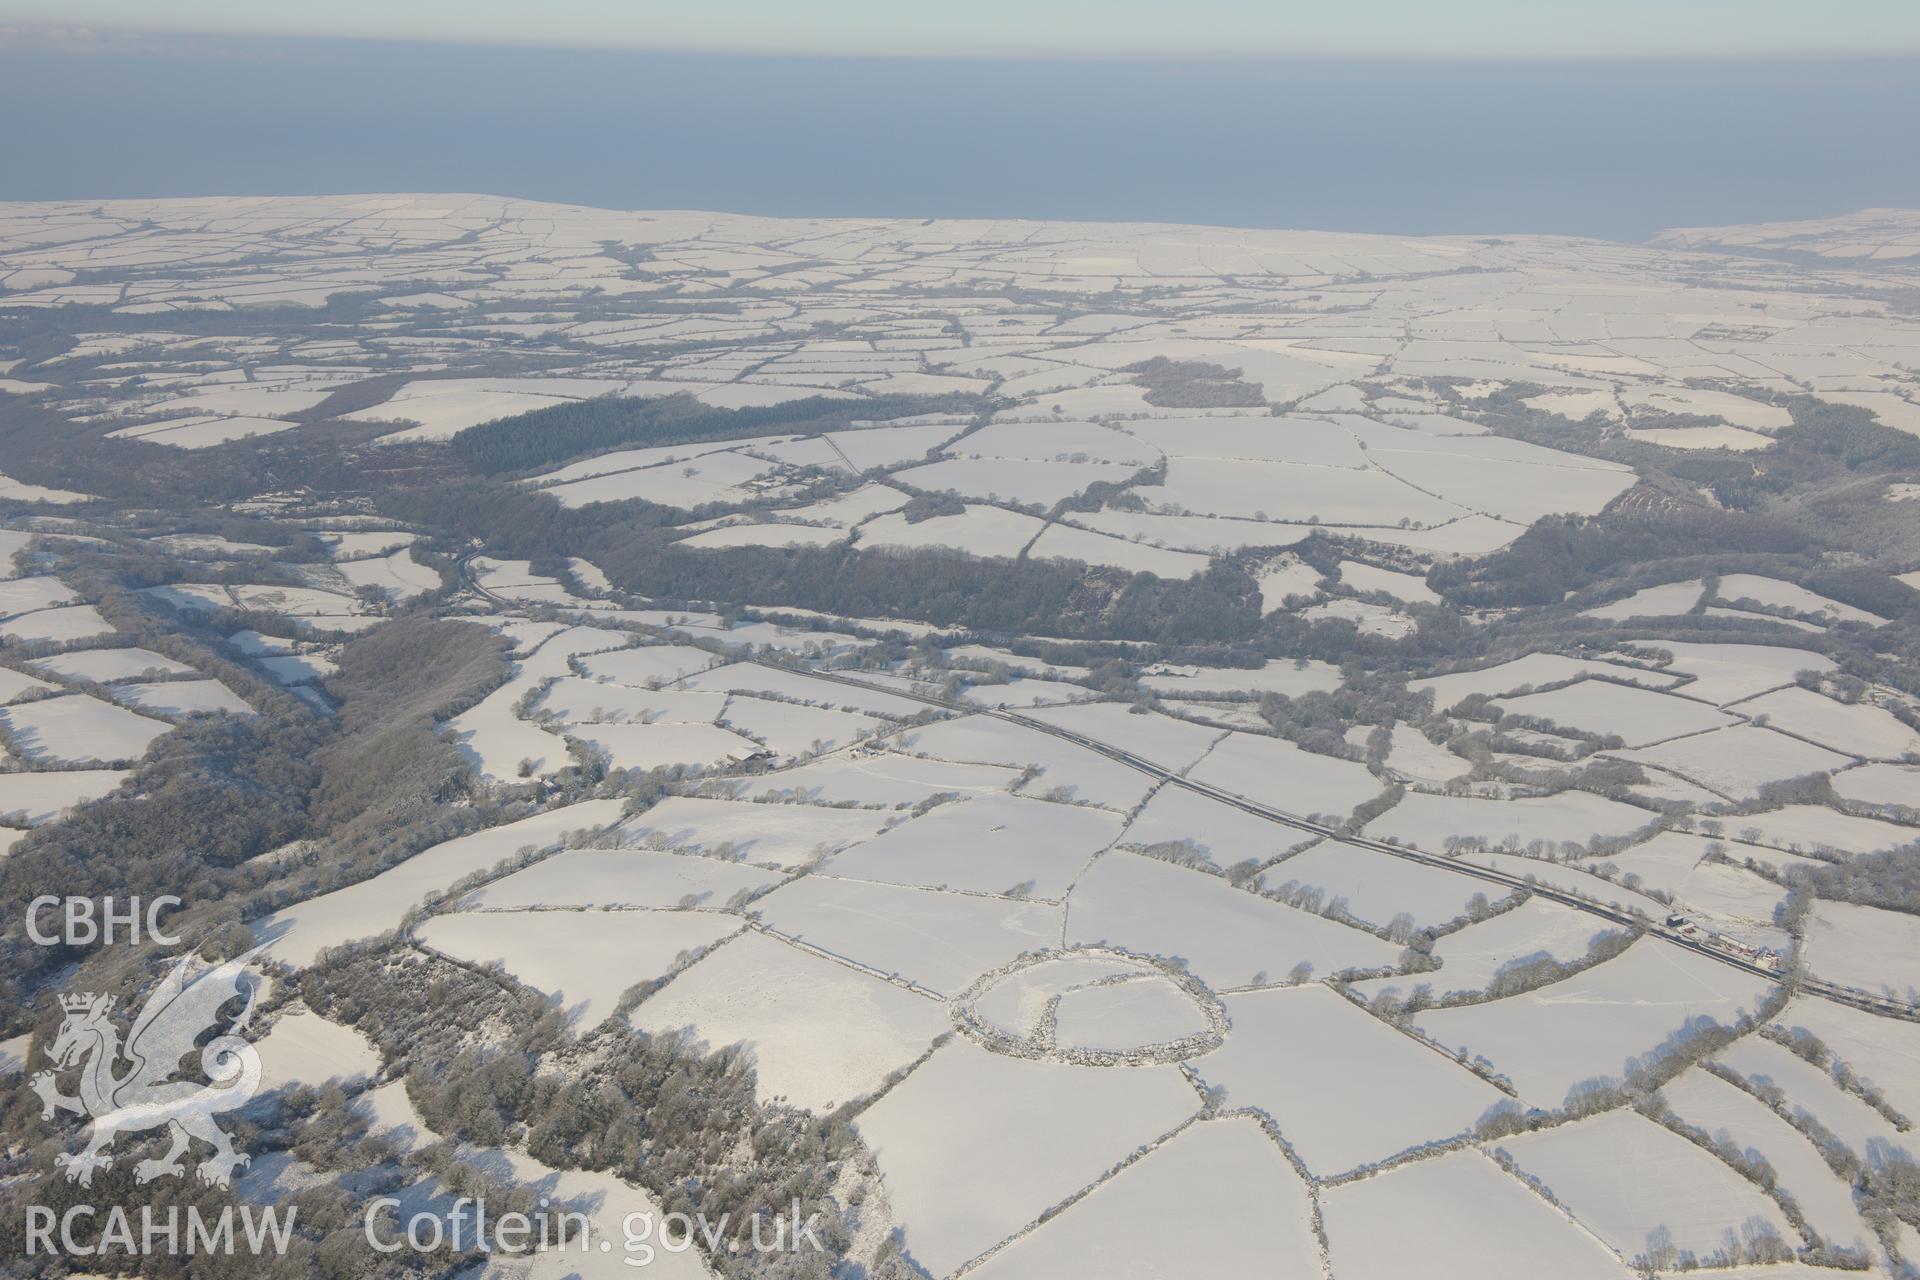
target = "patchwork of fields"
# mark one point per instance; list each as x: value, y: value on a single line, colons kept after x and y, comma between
x: 1127, y: 739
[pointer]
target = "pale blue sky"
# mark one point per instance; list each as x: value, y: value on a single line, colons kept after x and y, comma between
x: 1054, y: 28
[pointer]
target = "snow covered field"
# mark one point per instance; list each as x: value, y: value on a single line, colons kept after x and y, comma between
x: 1534, y: 670
x: 304, y: 1048
x: 1471, y: 958
x: 78, y: 729
x: 655, y: 746
x: 397, y: 575
x: 24, y: 595
x: 976, y: 1146
x: 1218, y: 1199
x: 103, y: 666
x: 1591, y: 1025
x: 1864, y: 947
x: 581, y: 960
x: 1737, y: 762
x: 1570, y: 818
x: 1226, y: 936
x: 1640, y: 717
x: 1209, y: 828
x: 1067, y: 771
x: 1345, y: 1089
x: 1275, y: 772
x: 1879, y: 784
x: 1859, y: 730
x: 821, y: 1033
x: 300, y: 933
x: 1458, y: 1217
x: 1377, y: 887
x: 1816, y: 828
x: 940, y: 941
x: 775, y: 835
x: 1705, y: 1101
x: 1638, y: 1185
x: 57, y: 626
x: 179, y: 698
x: 1883, y: 1051
x: 881, y: 780
x: 623, y: 878
x: 31, y: 799
x: 1810, y: 1089
x: 996, y: 844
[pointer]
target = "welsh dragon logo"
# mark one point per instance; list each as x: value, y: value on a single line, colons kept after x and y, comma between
x: 132, y: 1088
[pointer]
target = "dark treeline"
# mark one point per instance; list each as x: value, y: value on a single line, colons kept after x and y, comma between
x: 632, y: 543
x: 366, y: 787
x: 1194, y: 384
x: 1043, y: 597
x: 516, y: 522
x: 209, y: 796
x: 540, y: 437
x: 395, y: 685
x: 1824, y: 441
x: 1847, y: 434
x: 1889, y: 879
x: 926, y: 506
x: 45, y: 333
x: 334, y: 457
x: 1556, y: 556
x: 1813, y: 489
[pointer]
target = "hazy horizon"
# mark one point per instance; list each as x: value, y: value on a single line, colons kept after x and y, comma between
x: 1472, y: 29
x: 1612, y: 149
